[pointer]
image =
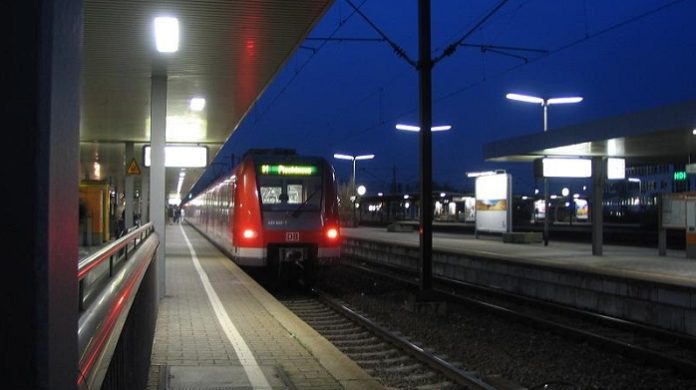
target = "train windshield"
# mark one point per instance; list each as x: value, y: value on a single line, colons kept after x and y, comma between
x: 290, y: 193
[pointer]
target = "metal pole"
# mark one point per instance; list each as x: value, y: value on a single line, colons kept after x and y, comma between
x: 426, y: 193
x: 599, y: 169
x: 547, y: 208
x: 129, y: 188
x: 355, y: 196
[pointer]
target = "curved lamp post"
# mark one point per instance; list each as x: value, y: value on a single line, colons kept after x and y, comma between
x: 354, y: 159
x: 545, y: 103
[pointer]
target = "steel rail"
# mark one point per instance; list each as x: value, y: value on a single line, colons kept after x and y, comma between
x: 463, y: 378
x: 100, y: 324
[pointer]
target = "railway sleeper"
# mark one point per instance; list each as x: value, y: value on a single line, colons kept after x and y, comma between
x: 338, y: 332
x: 356, y: 342
x: 377, y: 362
x: 428, y: 375
x: 350, y: 336
x: 367, y: 355
x: 313, y: 313
x: 326, y: 323
x: 381, y: 362
x: 438, y: 386
x: 403, y: 368
x: 363, y: 348
x: 301, y: 304
x: 321, y: 326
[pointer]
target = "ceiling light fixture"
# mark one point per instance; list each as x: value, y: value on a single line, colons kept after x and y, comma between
x: 167, y: 34
x: 197, y: 104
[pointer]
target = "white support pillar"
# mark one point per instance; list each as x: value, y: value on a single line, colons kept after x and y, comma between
x: 158, y: 120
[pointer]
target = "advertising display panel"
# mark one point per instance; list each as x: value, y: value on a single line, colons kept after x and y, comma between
x: 470, y: 209
x: 493, y: 203
x: 582, y: 210
x: 674, y: 211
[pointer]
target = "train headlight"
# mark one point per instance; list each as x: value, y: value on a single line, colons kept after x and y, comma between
x: 332, y: 233
x: 249, y: 233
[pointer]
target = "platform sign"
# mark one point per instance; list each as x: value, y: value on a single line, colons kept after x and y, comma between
x: 133, y: 168
x: 180, y: 156
x: 493, y: 201
x: 562, y: 167
x: 616, y: 168
x: 679, y: 175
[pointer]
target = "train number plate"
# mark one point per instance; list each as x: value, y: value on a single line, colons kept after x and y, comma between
x: 292, y: 236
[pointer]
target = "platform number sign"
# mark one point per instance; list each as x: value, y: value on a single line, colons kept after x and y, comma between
x: 679, y: 175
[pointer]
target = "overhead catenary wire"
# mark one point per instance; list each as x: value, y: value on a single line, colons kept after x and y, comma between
x: 397, y: 49
x: 449, y: 50
x: 548, y: 53
x: 568, y: 45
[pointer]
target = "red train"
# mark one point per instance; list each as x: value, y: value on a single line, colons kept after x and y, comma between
x: 276, y: 209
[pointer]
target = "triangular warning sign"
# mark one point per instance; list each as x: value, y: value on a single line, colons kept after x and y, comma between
x: 133, y: 168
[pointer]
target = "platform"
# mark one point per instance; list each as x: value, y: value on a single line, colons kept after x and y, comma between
x: 627, y: 282
x: 217, y: 328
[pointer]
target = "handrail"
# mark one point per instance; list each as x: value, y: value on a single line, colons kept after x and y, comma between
x: 88, y: 263
x: 107, y: 253
x: 100, y: 325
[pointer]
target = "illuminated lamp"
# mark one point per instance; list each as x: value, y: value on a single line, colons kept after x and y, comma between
x: 197, y: 104
x: 417, y: 128
x: 249, y: 233
x: 167, y: 34
x: 332, y: 233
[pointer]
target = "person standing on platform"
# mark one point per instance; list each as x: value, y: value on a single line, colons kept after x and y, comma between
x: 177, y: 215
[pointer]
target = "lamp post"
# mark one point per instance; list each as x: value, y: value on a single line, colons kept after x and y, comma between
x: 545, y: 103
x: 354, y: 159
x: 425, y: 247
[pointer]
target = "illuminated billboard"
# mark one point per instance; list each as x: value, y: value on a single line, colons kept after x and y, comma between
x: 582, y: 210
x: 493, y: 201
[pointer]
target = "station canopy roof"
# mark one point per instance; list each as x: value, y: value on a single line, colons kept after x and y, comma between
x: 659, y: 135
x: 229, y: 52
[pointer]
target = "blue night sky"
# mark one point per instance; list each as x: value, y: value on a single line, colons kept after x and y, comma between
x: 346, y: 97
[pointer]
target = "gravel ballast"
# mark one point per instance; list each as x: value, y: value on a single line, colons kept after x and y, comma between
x: 495, y: 345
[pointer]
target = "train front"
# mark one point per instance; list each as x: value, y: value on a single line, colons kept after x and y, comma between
x: 299, y: 215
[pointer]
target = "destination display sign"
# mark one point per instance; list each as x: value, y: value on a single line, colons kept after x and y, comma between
x: 288, y: 170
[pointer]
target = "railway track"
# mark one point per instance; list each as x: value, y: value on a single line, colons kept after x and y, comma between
x: 386, y: 355
x: 653, y: 345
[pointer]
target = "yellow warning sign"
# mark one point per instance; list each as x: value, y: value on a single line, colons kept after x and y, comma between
x: 133, y: 168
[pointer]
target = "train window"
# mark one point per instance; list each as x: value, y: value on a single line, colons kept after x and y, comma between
x: 294, y: 192
x: 271, y: 194
x: 290, y: 193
